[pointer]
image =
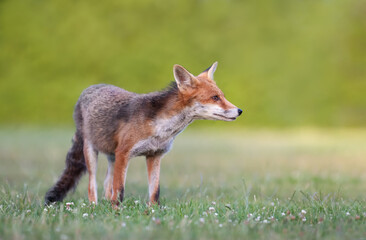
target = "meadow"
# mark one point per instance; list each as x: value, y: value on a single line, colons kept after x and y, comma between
x: 215, y: 184
x: 293, y: 168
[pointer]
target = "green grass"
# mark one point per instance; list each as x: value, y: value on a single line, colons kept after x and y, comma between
x: 265, y: 184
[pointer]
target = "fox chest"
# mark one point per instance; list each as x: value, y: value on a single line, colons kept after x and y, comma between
x: 165, y: 130
x: 151, y: 146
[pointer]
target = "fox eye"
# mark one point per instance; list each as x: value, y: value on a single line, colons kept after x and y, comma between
x: 215, y: 98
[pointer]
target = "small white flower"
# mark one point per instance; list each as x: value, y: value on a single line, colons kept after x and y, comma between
x: 28, y: 211
x: 152, y: 210
x: 304, y: 219
x: 264, y: 208
x: 303, y: 211
x: 216, y: 214
x: 213, y: 203
x: 283, y: 214
x: 265, y: 221
x: 127, y: 217
x: 347, y: 214
x: 250, y: 215
x: 272, y: 203
x: 83, y: 204
x: 258, y: 219
x: 204, y: 213
x: 45, y: 210
x: 123, y: 224
x: 137, y: 201
x: 202, y: 220
x: 85, y: 215
x: 185, y: 216
x: 69, y: 203
x: 211, y: 209
x: 220, y: 225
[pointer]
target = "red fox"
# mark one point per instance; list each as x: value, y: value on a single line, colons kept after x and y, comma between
x: 124, y: 125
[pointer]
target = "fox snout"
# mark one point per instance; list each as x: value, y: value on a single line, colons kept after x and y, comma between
x: 229, y: 115
x: 215, y: 112
x: 231, y: 112
x: 238, y: 112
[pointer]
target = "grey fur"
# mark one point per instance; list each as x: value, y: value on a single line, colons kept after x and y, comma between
x: 105, y: 107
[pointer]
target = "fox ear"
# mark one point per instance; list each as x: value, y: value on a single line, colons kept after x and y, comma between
x: 212, y: 70
x: 183, y: 78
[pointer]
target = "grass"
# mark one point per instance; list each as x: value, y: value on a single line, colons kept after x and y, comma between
x: 265, y: 184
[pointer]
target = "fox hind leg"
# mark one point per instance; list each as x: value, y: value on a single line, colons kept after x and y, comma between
x: 108, y: 182
x: 91, y: 159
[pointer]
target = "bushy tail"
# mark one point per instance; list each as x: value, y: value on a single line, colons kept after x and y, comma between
x: 75, y: 167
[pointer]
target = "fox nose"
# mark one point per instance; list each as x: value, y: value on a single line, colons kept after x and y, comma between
x: 240, y: 111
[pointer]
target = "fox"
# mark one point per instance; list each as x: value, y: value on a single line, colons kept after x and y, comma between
x: 124, y: 125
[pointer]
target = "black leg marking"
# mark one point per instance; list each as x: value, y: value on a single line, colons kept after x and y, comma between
x: 121, y: 194
x: 156, y: 195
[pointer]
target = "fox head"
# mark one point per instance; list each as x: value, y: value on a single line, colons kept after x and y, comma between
x: 206, y: 99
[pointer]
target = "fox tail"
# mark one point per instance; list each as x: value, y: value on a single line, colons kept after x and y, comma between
x: 75, y: 168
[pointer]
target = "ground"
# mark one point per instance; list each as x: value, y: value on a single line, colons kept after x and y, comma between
x: 243, y: 183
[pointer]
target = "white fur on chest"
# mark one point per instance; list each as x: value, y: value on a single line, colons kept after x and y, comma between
x: 165, y: 130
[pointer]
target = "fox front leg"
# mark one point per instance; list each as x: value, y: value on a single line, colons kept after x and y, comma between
x: 119, y: 176
x: 153, y: 171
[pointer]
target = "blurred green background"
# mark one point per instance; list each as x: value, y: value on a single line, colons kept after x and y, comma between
x: 286, y: 62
